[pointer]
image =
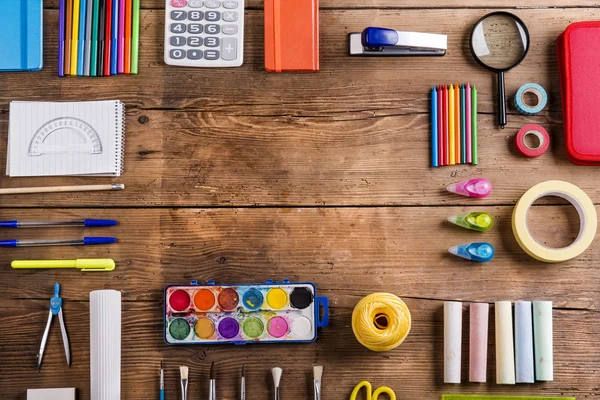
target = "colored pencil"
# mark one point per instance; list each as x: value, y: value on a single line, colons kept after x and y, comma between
x: 61, y: 37
x: 457, y: 123
x: 108, y: 37
x: 128, y: 22
x: 94, y: 43
x: 474, y: 155
x: 68, y: 35
x: 101, y: 35
x: 114, y: 55
x: 463, y: 126
x: 75, y: 37
x: 82, y: 35
x: 89, y: 16
x: 440, y: 131
x: 121, y: 61
x: 447, y: 129
x: 451, y: 139
x: 135, y: 37
x: 434, y: 125
x: 468, y: 119
x: 442, y: 160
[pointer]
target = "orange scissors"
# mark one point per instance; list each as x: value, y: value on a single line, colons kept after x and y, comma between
x: 370, y: 394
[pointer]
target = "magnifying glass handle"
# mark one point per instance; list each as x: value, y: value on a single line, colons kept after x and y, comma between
x: 501, y: 101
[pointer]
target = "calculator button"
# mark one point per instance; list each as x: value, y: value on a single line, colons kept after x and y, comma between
x: 178, y: 3
x: 194, y: 28
x: 229, y: 29
x: 230, y: 4
x: 212, y: 3
x: 213, y: 16
x: 211, y: 42
x: 195, y: 3
x: 194, y: 41
x: 212, y: 29
x: 178, y: 28
x: 195, y: 15
x: 178, y: 15
x: 194, y: 54
x: 177, y: 54
x: 177, y: 41
x: 211, y: 54
x: 230, y: 16
x: 229, y: 49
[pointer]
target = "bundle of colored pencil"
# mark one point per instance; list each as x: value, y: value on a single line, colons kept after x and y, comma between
x: 98, y: 37
x: 454, y: 125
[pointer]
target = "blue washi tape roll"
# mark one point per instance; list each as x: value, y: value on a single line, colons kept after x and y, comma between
x: 538, y: 91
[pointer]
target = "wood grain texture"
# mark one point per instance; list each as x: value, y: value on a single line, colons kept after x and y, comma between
x: 241, y: 176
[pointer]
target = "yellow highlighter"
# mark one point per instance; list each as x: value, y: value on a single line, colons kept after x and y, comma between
x: 84, y: 264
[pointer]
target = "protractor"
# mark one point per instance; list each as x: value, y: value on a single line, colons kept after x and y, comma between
x: 65, y: 135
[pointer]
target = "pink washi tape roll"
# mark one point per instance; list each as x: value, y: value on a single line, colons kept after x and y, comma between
x: 540, y: 133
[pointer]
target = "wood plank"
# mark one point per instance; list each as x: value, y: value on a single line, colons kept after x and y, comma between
x: 345, y: 86
x: 402, y: 250
x: 185, y: 158
x: 414, y: 370
x: 366, y: 4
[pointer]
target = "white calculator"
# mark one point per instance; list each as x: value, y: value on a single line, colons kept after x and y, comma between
x: 204, y: 33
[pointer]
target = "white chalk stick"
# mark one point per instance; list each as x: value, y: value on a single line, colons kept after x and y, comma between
x: 524, y: 342
x: 542, y: 333
x: 452, y: 341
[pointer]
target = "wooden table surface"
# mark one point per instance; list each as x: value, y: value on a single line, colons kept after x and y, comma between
x: 240, y: 176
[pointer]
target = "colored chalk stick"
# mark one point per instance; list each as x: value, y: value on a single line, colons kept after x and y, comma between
x: 542, y: 334
x: 478, y: 341
x: 523, y: 342
x: 505, y: 354
x: 452, y: 341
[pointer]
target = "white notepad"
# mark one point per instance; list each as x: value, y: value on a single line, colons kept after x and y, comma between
x: 52, y: 394
x: 82, y: 138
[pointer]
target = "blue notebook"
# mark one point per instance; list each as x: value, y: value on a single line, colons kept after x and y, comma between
x: 21, y: 30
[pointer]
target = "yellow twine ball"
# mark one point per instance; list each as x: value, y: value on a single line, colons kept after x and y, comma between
x: 381, y: 321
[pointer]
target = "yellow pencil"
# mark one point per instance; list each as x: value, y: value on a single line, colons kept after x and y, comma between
x: 75, y: 37
x: 451, y: 138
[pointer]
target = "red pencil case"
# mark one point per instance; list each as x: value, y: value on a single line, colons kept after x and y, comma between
x: 578, y: 50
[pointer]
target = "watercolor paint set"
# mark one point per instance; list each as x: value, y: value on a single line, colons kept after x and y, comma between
x: 274, y: 312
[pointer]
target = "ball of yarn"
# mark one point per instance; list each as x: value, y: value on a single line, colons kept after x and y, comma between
x: 381, y: 321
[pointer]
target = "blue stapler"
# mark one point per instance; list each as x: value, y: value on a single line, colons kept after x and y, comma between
x: 388, y: 42
x: 21, y: 30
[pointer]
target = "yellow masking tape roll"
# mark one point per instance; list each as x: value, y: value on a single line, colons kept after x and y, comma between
x: 587, y: 225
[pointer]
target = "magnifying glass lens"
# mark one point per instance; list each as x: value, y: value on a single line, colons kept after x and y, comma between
x: 500, y: 41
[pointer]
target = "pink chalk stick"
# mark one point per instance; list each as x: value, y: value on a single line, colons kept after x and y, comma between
x: 478, y: 341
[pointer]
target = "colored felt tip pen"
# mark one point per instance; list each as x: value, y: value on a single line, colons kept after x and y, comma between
x: 477, y: 187
x: 58, y: 242
x: 477, y: 221
x: 84, y: 264
x: 90, y: 223
x: 480, y: 252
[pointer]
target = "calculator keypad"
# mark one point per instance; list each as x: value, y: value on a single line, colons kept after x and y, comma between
x: 204, y: 33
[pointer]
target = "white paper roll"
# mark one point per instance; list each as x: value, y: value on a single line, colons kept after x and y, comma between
x: 105, y: 345
x: 452, y: 341
x: 505, y: 350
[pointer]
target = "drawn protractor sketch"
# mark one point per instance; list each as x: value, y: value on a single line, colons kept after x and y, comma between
x: 65, y: 135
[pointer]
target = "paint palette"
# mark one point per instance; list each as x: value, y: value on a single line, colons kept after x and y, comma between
x: 265, y: 313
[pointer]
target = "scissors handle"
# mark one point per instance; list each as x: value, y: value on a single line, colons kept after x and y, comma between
x: 370, y: 394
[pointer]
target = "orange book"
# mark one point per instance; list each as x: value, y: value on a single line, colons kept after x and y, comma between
x: 292, y: 35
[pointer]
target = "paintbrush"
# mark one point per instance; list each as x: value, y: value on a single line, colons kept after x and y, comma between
x: 243, y: 389
x: 162, y: 382
x: 184, y: 381
x: 212, y: 391
x: 276, y: 379
x: 318, y: 374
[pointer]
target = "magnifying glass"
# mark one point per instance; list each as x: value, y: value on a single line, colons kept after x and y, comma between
x: 499, y: 42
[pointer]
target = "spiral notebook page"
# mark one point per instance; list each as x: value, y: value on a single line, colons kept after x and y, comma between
x: 52, y: 139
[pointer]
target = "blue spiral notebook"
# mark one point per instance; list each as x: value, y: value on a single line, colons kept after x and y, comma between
x: 21, y: 30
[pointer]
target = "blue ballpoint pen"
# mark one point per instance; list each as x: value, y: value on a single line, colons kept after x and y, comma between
x: 89, y: 223
x: 162, y: 382
x: 58, y: 242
